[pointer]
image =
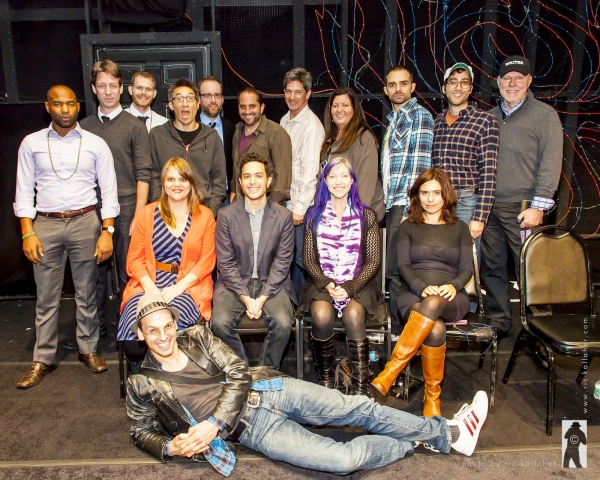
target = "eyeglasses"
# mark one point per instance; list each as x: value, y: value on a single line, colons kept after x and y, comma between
x: 189, y: 99
x: 208, y: 96
x: 170, y: 329
x: 453, y: 82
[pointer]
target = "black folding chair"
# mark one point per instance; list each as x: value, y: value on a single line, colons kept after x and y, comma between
x: 555, y: 269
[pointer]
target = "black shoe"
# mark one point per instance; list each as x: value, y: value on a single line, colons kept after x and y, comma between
x: 103, y: 330
x: 71, y: 345
x: 539, y: 354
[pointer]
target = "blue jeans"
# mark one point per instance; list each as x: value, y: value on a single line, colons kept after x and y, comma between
x: 228, y: 310
x: 273, y: 429
x: 465, y: 206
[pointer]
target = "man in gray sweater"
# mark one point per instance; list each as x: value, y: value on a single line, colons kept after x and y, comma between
x: 127, y: 139
x: 529, y: 164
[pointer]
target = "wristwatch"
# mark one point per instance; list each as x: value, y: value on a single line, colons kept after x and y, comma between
x: 110, y: 230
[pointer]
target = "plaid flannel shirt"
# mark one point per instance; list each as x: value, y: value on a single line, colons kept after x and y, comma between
x: 468, y: 152
x: 409, y: 138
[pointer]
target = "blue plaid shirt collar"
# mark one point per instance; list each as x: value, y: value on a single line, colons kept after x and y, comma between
x: 404, y: 110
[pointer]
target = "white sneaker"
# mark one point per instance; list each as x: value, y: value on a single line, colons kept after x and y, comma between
x: 469, y: 420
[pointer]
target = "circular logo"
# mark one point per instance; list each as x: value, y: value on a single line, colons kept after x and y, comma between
x: 574, y: 439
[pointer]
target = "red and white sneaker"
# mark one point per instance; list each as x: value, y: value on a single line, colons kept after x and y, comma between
x: 469, y: 420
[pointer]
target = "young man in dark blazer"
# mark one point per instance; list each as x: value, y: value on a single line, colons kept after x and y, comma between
x: 255, y: 247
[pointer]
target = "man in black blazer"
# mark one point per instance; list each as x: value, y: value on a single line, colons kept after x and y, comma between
x: 255, y: 246
x: 211, y: 106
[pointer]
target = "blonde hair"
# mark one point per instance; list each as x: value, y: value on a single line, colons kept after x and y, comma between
x: 195, y: 198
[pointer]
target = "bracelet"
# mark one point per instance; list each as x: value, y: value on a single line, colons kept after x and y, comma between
x: 27, y: 235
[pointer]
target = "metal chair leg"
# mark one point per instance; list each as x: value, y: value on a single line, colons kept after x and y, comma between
x: 299, y: 350
x: 550, y: 397
x: 513, y: 356
x: 121, y: 370
x: 493, y: 374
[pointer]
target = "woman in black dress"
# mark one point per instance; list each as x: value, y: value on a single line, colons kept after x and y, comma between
x: 435, y: 261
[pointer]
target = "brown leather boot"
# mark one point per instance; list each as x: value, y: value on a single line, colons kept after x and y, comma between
x: 432, y: 362
x: 416, y: 330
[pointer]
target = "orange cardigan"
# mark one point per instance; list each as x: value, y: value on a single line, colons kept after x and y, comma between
x: 198, y: 256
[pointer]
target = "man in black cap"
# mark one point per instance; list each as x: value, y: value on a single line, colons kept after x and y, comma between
x: 529, y: 164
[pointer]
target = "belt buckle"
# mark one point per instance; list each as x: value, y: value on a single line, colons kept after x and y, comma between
x: 253, y: 400
x: 174, y: 268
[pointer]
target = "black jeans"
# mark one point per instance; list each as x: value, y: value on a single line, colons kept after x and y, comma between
x: 501, y: 234
x: 392, y: 224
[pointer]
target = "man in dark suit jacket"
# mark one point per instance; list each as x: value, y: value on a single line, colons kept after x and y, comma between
x: 255, y: 247
x: 211, y: 106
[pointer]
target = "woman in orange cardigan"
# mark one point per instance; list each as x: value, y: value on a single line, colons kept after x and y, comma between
x: 172, y: 253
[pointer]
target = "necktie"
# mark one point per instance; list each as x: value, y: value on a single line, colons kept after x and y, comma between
x: 212, y: 124
x: 143, y: 118
x: 105, y: 119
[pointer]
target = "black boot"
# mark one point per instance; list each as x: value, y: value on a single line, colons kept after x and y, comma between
x: 358, y: 358
x: 133, y: 367
x: 324, y: 357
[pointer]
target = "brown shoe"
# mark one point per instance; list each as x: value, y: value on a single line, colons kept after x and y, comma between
x: 35, y: 374
x: 93, y: 361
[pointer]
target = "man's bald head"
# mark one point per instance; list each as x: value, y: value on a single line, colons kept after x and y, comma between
x: 63, y: 107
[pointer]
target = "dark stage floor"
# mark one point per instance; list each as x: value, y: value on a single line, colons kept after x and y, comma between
x: 73, y: 424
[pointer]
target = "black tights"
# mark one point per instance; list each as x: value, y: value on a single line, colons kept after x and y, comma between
x: 324, y: 314
x: 135, y: 350
x: 439, y: 309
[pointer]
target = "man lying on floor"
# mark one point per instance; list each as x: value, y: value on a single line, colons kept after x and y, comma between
x: 193, y: 391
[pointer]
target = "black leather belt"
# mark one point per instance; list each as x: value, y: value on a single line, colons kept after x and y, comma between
x: 466, y: 192
x: 253, y: 401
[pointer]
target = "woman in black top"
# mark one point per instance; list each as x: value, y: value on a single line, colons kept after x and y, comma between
x: 435, y: 261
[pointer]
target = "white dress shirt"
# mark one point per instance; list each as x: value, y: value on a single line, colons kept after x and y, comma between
x: 218, y: 124
x: 154, y: 119
x: 35, y: 174
x: 307, y: 134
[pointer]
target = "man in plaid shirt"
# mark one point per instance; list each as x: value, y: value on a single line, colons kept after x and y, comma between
x: 406, y: 153
x: 465, y: 145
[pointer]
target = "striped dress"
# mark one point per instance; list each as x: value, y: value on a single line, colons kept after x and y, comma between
x: 167, y: 249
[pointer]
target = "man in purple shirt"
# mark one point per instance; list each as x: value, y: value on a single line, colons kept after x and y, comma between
x: 61, y: 164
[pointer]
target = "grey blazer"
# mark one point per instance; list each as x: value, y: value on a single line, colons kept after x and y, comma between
x: 235, y: 250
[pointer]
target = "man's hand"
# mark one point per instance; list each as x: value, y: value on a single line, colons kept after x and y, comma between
x: 258, y: 305
x: 198, y: 438
x: 298, y: 219
x: 169, y: 293
x: 31, y: 247
x: 531, y: 217
x: 476, y: 228
x: 104, y: 247
x: 250, y: 306
x: 430, y: 290
x: 447, y: 291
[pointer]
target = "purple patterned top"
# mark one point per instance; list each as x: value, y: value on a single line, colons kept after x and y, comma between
x: 339, y: 248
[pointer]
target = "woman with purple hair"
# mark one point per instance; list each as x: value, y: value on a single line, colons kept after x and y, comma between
x: 342, y: 254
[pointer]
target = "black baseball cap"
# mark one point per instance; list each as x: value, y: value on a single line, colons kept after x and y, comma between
x: 515, y: 64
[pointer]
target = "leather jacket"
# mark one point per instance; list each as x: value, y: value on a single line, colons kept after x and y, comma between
x: 156, y: 414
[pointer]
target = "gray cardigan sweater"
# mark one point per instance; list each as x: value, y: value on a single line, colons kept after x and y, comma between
x: 531, y: 152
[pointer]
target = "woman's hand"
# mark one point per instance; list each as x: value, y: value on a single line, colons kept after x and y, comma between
x: 171, y: 292
x: 447, y: 291
x: 430, y: 290
x: 337, y: 293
